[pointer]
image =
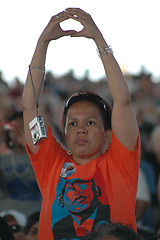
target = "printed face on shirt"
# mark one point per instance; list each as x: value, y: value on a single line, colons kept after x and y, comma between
x: 78, y: 196
x: 85, y: 134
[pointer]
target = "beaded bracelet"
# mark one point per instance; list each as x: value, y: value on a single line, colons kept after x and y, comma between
x: 104, y: 51
x: 40, y: 68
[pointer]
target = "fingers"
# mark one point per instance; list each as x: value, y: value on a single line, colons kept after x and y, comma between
x: 89, y: 27
x: 76, y: 11
x: 54, y: 30
x: 60, y: 17
x: 77, y: 14
x: 77, y: 34
x: 70, y: 32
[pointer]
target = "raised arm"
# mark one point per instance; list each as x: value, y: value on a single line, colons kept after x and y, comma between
x: 52, y: 31
x: 124, y: 123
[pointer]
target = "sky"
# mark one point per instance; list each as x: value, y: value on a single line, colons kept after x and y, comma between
x: 130, y: 27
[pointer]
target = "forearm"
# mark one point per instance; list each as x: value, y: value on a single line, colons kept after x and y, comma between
x: 123, y: 119
x: 38, y: 60
x: 116, y: 81
x: 115, y: 78
x: 141, y: 207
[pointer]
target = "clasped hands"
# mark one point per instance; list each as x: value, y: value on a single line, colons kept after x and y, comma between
x: 54, y: 31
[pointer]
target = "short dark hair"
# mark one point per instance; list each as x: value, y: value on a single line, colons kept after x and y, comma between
x: 16, y: 115
x: 118, y: 230
x: 5, y: 231
x: 103, y: 105
x: 32, y: 219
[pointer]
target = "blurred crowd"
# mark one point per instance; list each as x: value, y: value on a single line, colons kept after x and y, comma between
x: 19, y: 192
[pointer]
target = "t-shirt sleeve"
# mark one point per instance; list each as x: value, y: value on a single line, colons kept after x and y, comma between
x: 127, y: 161
x: 46, y: 158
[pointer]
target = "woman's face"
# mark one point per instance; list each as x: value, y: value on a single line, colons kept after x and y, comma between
x: 84, y: 131
x: 33, y: 232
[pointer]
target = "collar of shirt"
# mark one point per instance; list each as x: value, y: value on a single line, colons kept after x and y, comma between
x: 86, y: 224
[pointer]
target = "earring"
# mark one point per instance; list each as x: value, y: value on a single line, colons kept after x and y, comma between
x: 69, y: 152
x: 104, y: 150
x: 108, y: 142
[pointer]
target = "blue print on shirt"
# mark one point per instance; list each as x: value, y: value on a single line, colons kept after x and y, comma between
x: 76, y: 208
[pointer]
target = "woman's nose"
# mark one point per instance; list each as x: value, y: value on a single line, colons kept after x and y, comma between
x: 82, y: 129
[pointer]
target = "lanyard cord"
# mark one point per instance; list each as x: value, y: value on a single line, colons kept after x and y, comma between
x: 36, y: 98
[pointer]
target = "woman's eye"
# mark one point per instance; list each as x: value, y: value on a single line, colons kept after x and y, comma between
x: 91, y: 122
x: 72, y: 124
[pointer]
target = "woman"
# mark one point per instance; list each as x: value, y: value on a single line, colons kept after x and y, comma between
x: 32, y: 226
x: 90, y: 183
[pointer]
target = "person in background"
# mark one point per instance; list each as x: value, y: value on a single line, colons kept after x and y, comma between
x: 155, y: 150
x: 157, y: 228
x: 103, y: 144
x: 19, y: 189
x: 5, y: 231
x: 32, y: 226
x: 114, y: 231
x: 16, y: 222
x: 143, y: 203
x: 152, y: 157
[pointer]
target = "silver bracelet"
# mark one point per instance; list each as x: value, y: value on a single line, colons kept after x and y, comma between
x: 40, y: 68
x: 104, y: 51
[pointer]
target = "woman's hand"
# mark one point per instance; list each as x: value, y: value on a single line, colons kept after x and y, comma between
x: 53, y: 30
x: 90, y: 29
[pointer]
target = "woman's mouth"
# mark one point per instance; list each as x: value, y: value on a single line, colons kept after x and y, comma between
x: 81, y: 141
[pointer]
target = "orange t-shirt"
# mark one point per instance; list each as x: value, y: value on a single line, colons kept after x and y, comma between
x: 76, y: 197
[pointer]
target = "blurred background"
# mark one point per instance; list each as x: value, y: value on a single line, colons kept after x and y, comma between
x: 130, y: 27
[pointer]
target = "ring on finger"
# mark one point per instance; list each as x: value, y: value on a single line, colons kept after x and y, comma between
x: 57, y: 16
